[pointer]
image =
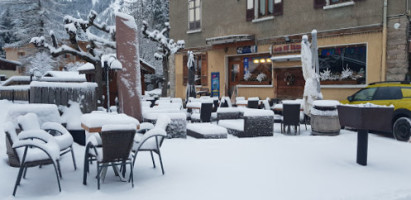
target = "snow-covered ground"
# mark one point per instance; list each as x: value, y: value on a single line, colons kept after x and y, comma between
x: 279, y: 167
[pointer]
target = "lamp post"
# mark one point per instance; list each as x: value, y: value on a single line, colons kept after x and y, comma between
x: 107, y: 70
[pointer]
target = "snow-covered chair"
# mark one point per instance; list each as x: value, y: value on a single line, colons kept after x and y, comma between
x: 32, y: 148
x: 204, y: 115
x: 111, y: 148
x: 152, y: 140
x: 60, y: 134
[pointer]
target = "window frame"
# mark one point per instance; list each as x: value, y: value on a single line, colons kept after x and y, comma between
x: 196, y: 22
x: 253, y: 8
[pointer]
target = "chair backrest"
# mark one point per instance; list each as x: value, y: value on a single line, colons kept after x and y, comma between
x: 291, y: 114
x: 28, y: 121
x: 215, y: 105
x: 11, y: 138
x: 205, y: 112
x: 252, y: 103
x: 266, y: 105
x: 116, y: 144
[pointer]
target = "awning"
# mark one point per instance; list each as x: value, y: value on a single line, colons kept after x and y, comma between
x: 229, y: 39
x: 296, y: 57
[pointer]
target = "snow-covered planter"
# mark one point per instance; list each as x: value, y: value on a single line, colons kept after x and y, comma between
x: 255, y: 123
x: 178, y: 126
x: 324, y: 118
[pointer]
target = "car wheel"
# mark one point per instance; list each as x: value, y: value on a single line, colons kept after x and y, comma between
x: 402, y: 129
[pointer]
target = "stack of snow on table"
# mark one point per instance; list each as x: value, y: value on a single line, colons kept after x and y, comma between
x: 255, y: 122
x: 206, y: 131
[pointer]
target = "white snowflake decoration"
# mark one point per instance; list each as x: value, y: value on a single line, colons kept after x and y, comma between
x: 325, y: 75
x: 261, y: 77
x: 247, y: 75
x: 346, y: 73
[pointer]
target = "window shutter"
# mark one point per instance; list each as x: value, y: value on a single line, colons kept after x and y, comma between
x: 204, y: 70
x: 319, y: 3
x: 278, y: 8
x: 185, y: 70
x: 250, y: 10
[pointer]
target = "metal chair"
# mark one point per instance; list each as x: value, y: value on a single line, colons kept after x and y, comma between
x: 152, y: 140
x: 205, y: 113
x: 291, y: 117
x: 60, y: 134
x: 116, y: 145
x: 32, y: 148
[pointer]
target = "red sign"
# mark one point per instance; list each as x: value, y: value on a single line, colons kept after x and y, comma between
x: 286, y: 48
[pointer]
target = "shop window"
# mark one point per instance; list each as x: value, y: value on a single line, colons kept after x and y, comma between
x: 263, y: 8
x: 343, y: 64
x: 194, y: 14
x: 250, y: 70
x: 201, y: 71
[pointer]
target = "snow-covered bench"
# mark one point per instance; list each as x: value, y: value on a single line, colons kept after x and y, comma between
x: 255, y: 122
x: 206, y: 131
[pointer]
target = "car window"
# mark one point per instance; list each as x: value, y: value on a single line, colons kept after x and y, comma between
x: 364, y: 94
x: 386, y: 93
x: 406, y: 92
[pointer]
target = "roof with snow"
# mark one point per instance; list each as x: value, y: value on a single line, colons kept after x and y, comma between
x: 64, y: 75
x: 147, y: 67
x: 8, y: 64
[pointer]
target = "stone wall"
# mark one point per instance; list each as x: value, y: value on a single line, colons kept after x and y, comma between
x: 397, y: 48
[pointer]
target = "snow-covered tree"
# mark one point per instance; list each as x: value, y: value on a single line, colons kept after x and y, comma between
x: 96, y: 46
x: 6, y: 34
x: 168, y: 47
x: 41, y: 61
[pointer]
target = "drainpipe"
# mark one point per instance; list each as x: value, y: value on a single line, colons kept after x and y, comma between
x: 384, y: 44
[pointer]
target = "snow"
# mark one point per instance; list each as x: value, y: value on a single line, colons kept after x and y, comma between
x: 236, y: 124
x: 206, y: 128
x: 128, y: 20
x: 326, y: 103
x: 278, y: 167
x: 65, y: 75
x: 86, y: 67
x: 29, y: 121
x: 112, y: 61
x: 229, y: 109
x: 100, y: 118
x: 45, y: 112
x: 257, y: 112
x: 367, y: 105
x: 71, y: 115
x: 115, y: 127
x: 15, y: 87
x: 84, y: 86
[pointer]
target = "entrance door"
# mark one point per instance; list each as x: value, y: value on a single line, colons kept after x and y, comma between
x: 290, y: 83
x: 235, y: 70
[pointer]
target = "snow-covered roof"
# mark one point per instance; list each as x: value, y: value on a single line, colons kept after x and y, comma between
x: 65, y: 75
x: 147, y: 66
x: 86, y: 67
x: 11, y: 61
x: 21, y: 80
x: 285, y: 58
x: 229, y: 39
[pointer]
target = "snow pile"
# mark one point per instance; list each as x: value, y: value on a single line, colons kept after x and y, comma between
x: 86, y: 67
x: 257, y: 113
x: 45, y: 112
x: 87, y: 86
x: 71, y: 115
x: 326, y: 103
x: 29, y: 121
x: 112, y: 61
x: 206, y: 128
x: 118, y: 127
x: 99, y: 118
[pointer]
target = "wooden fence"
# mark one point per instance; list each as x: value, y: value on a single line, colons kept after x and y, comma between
x: 62, y: 93
x: 15, y: 93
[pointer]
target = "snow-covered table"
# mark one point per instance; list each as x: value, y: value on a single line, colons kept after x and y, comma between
x: 206, y: 131
x: 93, y: 122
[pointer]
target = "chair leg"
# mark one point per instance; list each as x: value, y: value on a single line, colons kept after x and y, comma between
x: 131, y: 175
x: 161, y: 161
x: 57, y: 170
x: 25, y: 172
x: 98, y: 175
x: 152, y: 159
x: 19, y: 175
x: 74, y: 160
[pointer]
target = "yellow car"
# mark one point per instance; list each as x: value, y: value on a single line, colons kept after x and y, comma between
x: 397, y: 94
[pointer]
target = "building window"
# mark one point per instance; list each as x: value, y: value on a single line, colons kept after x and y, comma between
x: 343, y: 64
x: 194, y: 14
x: 21, y: 54
x: 332, y: 2
x: 263, y: 8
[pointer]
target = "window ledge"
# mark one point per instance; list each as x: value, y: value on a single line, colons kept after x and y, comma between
x: 350, y: 3
x: 254, y: 86
x: 262, y: 19
x: 194, y: 31
x: 343, y: 86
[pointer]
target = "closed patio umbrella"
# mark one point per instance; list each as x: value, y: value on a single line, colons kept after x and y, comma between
x: 191, y: 90
x: 309, y: 60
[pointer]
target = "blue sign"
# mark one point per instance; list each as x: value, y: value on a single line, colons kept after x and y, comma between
x: 247, y: 49
x: 215, y: 84
x: 245, y: 65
